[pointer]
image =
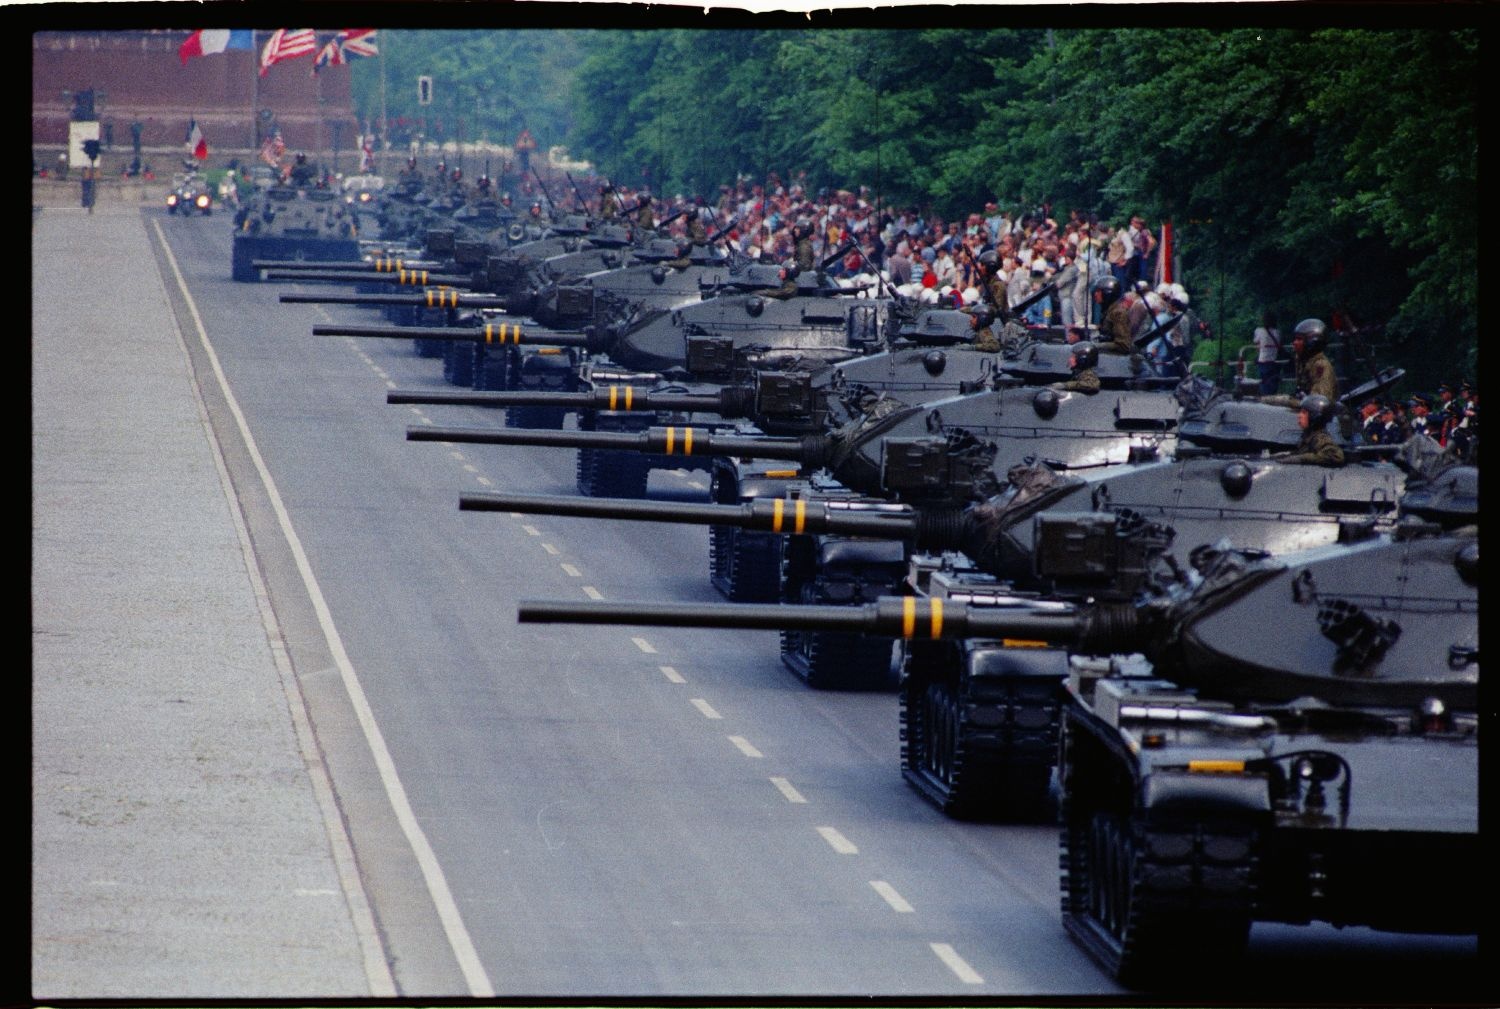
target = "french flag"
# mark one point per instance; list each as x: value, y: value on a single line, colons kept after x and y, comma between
x: 208, y: 41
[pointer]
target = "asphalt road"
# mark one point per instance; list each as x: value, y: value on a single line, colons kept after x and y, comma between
x: 616, y: 811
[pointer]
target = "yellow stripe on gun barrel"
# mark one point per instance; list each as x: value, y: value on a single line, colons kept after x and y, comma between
x: 776, y: 510
x: 937, y: 618
x: 801, y: 515
x: 908, y: 616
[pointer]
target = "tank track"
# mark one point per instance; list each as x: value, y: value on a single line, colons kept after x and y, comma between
x: 744, y: 568
x: 832, y: 660
x: 984, y: 757
x: 1158, y: 902
x: 458, y: 363
x: 602, y: 473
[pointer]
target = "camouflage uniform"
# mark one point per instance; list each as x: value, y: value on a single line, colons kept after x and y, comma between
x: 1086, y: 381
x: 1317, y: 448
x: 609, y: 206
x: 1314, y: 376
x: 1116, y: 326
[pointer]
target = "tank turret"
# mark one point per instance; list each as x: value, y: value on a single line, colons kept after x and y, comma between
x: 1287, y: 739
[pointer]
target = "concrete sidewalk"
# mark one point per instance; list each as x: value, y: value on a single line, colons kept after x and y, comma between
x: 179, y: 848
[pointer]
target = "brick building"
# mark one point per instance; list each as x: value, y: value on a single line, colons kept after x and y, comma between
x: 137, y: 77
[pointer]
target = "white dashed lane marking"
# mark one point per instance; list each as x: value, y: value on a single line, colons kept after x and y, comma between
x: 838, y: 842
x: 532, y: 530
x: 486, y: 481
x: 706, y: 708
x: 457, y: 455
x: 644, y: 645
x: 593, y: 593
x: 956, y: 963
x: 550, y: 549
x: 743, y: 745
x: 668, y: 671
x: 785, y: 788
x: 571, y: 571
x: 890, y: 896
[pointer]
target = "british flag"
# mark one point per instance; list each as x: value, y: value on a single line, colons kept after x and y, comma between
x: 285, y: 44
x: 351, y: 43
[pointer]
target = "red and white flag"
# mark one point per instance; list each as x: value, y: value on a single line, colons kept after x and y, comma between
x: 197, y: 147
x: 1164, y: 254
x: 286, y: 44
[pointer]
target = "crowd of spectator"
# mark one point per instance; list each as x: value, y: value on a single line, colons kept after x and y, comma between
x: 966, y: 261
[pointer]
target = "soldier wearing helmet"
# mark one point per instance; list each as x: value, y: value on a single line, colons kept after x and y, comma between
x: 981, y: 318
x: 1115, y: 326
x: 1317, y: 447
x: 803, y: 255
x: 645, y: 217
x: 1314, y: 371
x: 609, y: 203
x: 1083, y: 360
x: 302, y: 172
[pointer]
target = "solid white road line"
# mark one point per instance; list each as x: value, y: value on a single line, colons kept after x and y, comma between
x: 437, y: 884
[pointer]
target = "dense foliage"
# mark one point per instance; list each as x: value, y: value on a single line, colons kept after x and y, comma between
x: 1306, y: 171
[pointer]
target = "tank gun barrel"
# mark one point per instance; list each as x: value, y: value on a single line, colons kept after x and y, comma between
x: 891, y: 616
x: 380, y: 264
x: 412, y: 278
x: 433, y: 297
x: 774, y: 515
x: 490, y: 332
x: 731, y: 401
x: 685, y: 441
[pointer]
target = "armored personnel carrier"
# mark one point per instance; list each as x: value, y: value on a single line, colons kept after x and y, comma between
x: 286, y: 223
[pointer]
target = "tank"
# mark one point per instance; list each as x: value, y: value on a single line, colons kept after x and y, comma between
x: 1249, y: 738
x: 286, y: 223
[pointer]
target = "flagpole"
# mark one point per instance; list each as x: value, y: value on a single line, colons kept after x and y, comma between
x: 385, y: 123
x: 254, y: 92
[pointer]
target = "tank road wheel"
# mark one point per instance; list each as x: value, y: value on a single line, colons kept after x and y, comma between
x: 1159, y: 905
x: 931, y: 726
x: 962, y: 751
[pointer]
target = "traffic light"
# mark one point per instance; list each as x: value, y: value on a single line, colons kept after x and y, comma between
x: 424, y: 90
x: 91, y: 149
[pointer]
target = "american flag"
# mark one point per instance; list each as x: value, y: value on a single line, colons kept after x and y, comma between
x: 285, y: 44
x: 348, y: 44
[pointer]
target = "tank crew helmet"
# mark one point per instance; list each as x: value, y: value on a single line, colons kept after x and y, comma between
x: 1313, y: 334
x: 1319, y: 410
x: 1107, y: 289
x: 301, y: 158
x: 989, y: 259
x: 981, y: 317
x: 643, y: 199
x: 1085, y: 355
